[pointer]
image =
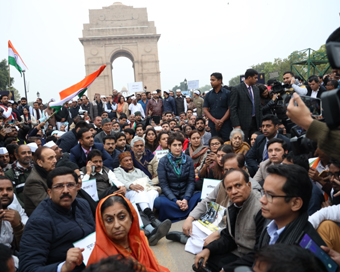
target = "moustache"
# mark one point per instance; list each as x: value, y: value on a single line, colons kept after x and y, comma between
x: 65, y: 195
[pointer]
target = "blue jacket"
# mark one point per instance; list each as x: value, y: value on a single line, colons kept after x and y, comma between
x: 50, y: 232
x: 175, y: 188
x: 68, y: 140
x: 77, y: 155
x: 254, y: 155
x: 169, y: 105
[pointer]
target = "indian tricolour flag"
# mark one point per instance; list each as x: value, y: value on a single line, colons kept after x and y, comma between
x: 15, y: 59
x: 77, y: 89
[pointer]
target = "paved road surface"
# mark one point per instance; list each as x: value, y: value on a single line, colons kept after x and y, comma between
x: 172, y: 254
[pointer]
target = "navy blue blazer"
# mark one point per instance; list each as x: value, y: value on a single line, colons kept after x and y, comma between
x: 254, y: 155
x: 77, y: 155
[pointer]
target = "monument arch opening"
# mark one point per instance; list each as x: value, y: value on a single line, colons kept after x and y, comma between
x: 122, y: 72
x: 121, y: 31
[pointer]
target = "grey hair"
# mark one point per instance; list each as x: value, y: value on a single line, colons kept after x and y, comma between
x: 237, y: 130
x: 136, y: 139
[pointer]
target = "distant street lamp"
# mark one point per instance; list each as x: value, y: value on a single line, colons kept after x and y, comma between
x: 186, y: 84
x: 38, y: 94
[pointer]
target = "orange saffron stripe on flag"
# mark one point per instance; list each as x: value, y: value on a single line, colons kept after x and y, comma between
x: 10, y: 45
x: 82, y: 84
x: 316, y: 162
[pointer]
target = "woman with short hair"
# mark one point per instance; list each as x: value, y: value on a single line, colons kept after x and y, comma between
x: 237, y: 142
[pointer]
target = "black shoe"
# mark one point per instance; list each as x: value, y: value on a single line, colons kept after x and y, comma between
x: 177, y: 236
x: 160, y: 232
x: 153, y: 220
x: 146, y: 232
x: 200, y: 267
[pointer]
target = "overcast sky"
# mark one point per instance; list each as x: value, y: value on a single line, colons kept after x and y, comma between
x: 197, y: 37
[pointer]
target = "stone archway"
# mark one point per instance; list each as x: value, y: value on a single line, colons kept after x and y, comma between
x: 116, y: 31
x: 125, y: 54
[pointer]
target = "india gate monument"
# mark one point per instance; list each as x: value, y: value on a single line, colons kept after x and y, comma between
x: 120, y: 31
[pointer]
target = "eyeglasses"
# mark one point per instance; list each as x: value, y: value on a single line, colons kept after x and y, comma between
x: 335, y: 174
x: 213, y: 144
x: 270, y: 197
x: 60, y: 186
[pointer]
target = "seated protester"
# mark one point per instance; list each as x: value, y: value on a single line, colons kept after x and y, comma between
x: 11, y: 151
x: 110, y: 147
x: 216, y: 169
x: 20, y: 171
x: 63, y: 159
x: 8, y: 263
x: 79, y: 153
x: 192, y: 236
x: 122, y: 120
x: 107, y: 130
x: 165, y: 126
x: 319, y: 165
x: 68, y: 140
x: 121, y: 142
x: 243, y: 213
x: 283, y: 258
x: 173, y: 124
x: 97, y: 123
x: 176, y: 176
x: 4, y: 157
x: 176, y: 129
x: 144, y: 160
x: 317, y: 200
x: 130, y: 242
x: 258, y: 152
x: 214, y: 143
x: 115, y: 127
x: 58, y: 222
x: 286, y: 194
x: 333, y: 177
x: 196, y: 150
x: 151, y: 142
x: 237, y: 141
x: 116, y: 263
x: 106, y: 180
x: 276, y: 149
x: 200, y: 127
x: 125, y: 126
x: 139, y: 130
x: 187, y: 130
x: 13, y: 216
x: 140, y: 191
x: 36, y: 186
x: 129, y: 133
x: 162, y: 139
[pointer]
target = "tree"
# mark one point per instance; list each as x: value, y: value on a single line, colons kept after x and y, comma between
x: 4, y: 74
x: 181, y: 86
x: 205, y: 88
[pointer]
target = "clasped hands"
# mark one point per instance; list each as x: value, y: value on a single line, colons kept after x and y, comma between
x: 182, y: 204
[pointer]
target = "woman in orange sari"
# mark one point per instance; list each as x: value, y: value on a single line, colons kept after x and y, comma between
x: 117, y: 232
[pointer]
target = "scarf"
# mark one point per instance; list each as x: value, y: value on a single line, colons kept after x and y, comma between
x: 120, y: 107
x: 143, y: 163
x: 21, y: 170
x: 138, y: 243
x: 242, y: 149
x: 197, y: 155
x: 41, y: 171
x: 177, y: 162
x: 290, y: 234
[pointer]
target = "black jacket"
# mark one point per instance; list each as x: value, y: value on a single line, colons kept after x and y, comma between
x: 50, y: 233
x: 321, y: 90
x: 63, y: 113
x: 68, y: 140
x: 254, y: 155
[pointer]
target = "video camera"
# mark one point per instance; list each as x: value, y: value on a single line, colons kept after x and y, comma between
x: 279, y: 88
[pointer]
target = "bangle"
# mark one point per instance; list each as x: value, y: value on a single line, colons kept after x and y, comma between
x: 213, y: 119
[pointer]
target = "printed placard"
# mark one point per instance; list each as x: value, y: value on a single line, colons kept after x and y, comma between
x: 90, y: 187
x: 209, y: 186
x: 88, y: 244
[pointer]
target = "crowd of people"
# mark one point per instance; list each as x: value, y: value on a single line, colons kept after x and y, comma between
x: 148, y: 155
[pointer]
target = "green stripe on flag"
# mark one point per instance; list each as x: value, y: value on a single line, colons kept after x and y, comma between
x: 82, y: 93
x: 12, y: 62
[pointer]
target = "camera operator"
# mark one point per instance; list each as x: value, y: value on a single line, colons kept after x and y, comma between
x: 268, y: 99
x: 328, y: 140
x: 291, y: 85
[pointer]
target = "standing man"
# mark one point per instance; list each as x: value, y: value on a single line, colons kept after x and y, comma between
x: 86, y: 105
x: 134, y: 106
x: 245, y: 105
x: 181, y: 103
x: 154, y: 107
x: 7, y: 114
x: 198, y: 101
x: 61, y: 116
x: 169, y: 104
x: 216, y: 108
x: 315, y: 90
x: 111, y: 107
x: 115, y: 96
x: 144, y: 101
x: 74, y: 109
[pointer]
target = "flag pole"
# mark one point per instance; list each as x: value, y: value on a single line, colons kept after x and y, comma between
x: 9, y: 78
x: 23, y: 71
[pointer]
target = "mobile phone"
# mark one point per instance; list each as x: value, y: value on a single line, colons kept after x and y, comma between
x: 307, y: 243
x: 313, y: 104
x: 323, y: 174
x: 208, y: 152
